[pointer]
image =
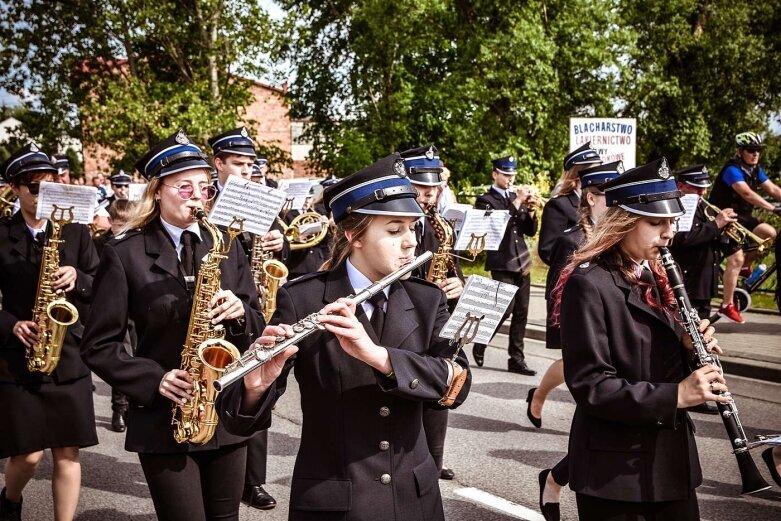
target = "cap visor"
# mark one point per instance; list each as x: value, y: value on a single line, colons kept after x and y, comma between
x: 239, y: 151
x: 506, y: 171
x: 425, y: 179
x: 664, y: 208
x: 403, y: 207
x: 699, y: 184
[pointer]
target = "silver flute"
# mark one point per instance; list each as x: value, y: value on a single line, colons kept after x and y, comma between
x: 261, y: 354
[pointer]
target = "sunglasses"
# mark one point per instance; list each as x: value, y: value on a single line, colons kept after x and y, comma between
x: 34, y: 188
x: 752, y: 150
x: 186, y: 191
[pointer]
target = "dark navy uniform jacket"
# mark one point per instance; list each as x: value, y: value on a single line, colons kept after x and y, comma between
x: 623, y: 361
x: 19, y: 272
x: 563, y: 248
x: 363, y: 452
x: 140, y: 279
x: 559, y: 214
x: 698, y: 252
x: 513, y: 254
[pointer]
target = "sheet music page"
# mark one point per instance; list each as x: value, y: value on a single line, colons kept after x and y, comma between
x: 686, y: 220
x: 136, y: 191
x: 83, y: 199
x: 482, y: 297
x: 477, y: 222
x: 257, y: 204
x: 455, y: 213
x: 298, y: 189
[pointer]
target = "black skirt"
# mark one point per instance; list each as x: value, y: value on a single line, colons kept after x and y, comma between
x: 37, y: 417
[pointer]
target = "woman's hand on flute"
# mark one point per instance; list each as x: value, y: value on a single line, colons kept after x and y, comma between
x: 258, y: 381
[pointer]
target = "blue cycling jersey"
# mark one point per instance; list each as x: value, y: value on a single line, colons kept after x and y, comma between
x: 733, y: 174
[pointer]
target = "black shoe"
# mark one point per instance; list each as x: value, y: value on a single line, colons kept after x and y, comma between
x: 550, y: 511
x: 446, y: 473
x: 258, y: 498
x: 537, y: 422
x: 9, y: 511
x: 520, y: 368
x: 478, y: 353
x: 705, y: 408
x: 767, y: 455
x: 118, y: 423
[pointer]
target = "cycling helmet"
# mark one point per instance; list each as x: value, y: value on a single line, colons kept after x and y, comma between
x: 749, y: 140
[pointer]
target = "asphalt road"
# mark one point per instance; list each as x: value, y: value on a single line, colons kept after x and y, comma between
x: 493, y: 449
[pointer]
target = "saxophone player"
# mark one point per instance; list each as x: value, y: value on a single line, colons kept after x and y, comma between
x: 32, y: 402
x: 424, y: 170
x: 146, y: 275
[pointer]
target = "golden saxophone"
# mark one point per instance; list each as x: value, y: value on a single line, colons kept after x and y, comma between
x: 206, y: 352
x: 7, y: 201
x: 268, y: 273
x: 52, y: 312
x: 442, y: 262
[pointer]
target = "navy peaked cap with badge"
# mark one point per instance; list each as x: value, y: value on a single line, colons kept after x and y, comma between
x: 61, y: 162
x: 120, y: 179
x: 423, y: 165
x: 648, y: 190
x: 176, y: 153
x: 696, y: 175
x: 27, y: 159
x: 236, y: 141
x: 584, y: 155
x: 505, y: 165
x: 256, y: 170
x: 379, y: 189
x: 261, y: 160
x: 600, y: 174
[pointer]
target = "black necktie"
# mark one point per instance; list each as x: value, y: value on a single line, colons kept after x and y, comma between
x: 40, y: 238
x: 378, y: 317
x: 188, y: 253
x: 648, y: 277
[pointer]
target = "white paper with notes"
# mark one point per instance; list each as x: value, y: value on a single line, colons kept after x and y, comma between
x: 83, y: 199
x: 480, y: 223
x: 482, y: 297
x: 256, y: 203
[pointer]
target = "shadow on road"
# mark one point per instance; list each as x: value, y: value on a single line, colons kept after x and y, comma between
x: 104, y: 514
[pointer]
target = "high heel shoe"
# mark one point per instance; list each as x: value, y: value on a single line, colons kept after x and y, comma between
x: 767, y: 455
x: 550, y: 511
x: 537, y: 422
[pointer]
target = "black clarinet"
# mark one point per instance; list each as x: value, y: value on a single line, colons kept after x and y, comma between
x: 749, y: 474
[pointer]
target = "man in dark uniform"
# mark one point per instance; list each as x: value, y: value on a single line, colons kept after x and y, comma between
x: 736, y: 187
x: 262, y: 172
x: 234, y: 154
x: 120, y: 185
x: 309, y: 260
x: 512, y: 262
x: 63, y: 169
x: 698, y: 251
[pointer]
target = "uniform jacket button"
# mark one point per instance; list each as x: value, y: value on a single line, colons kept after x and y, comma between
x: 385, y: 479
x: 414, y: 384
x: 384, y: 445
x: 384, y: 412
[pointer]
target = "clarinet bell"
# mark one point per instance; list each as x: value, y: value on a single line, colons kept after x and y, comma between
x: 750, y: 477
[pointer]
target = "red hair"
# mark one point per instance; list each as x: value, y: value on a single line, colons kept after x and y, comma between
x: 604, y: 246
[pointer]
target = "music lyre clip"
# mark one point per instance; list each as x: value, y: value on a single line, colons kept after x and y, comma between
x: 466, y: 332
x: 476, y: 244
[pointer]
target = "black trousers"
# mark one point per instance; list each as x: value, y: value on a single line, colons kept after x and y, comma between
x: 257, y: 454
x: 519, y: 307
x: 196, y: 486
x: 435, y: 426
x: 596, y: 509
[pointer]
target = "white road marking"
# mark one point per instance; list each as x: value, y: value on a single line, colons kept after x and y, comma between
x: 499, y: 504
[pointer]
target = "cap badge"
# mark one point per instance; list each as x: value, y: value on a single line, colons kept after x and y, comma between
x: 620, y: 167
x: 398, y: 168
x: 34, y: 147
x: 181, y: 138
x: 705, y: 170
x: 430, y: 153
x: 244, y: 132
x: 664, y: 170
x: 511, y: 159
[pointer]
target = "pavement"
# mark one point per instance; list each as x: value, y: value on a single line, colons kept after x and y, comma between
x: 751, y: 350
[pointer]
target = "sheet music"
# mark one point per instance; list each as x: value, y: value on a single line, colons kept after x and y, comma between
x: 298, y: 189
x: 256, y: 203
x: 83, y: 199
x: 136, y: 191
x: 686, y: 220
x: 455, y: 213
x: 481, y: 297
x: 477, y: 222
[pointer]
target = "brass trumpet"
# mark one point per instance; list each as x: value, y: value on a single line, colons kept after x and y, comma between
x: 534, y: 200
x: 736, y: 231
x: 7, y: 201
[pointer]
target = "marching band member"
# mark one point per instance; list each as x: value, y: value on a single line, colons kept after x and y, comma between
x: 309, y: 260
x: 364, y: 380
x: 592, y: 208
x: 120, y: 186
x: 561, y: 210
x: 631, y: 441
x: 423, y: 170
x: 234, y: 154
x: 41, y: 411
x: 512, y: 262
x: 146, y: 275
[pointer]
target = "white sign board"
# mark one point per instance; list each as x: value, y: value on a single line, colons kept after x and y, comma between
x: 614, y: 139
x: 256, y: 203
x: 83, y: 200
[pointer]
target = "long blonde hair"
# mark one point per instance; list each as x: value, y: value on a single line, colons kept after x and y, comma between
x: 585, y: 216
x: 569, y: 182
x: 145, y: 210
x: 341, y: 247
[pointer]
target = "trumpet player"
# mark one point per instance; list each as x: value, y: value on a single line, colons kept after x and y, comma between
x: 41, y: 411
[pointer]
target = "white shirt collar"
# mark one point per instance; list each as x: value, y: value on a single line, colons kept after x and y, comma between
x: 359, y: 282
x: 176, y: 233
x: 36, y: 231
x: 501, y: 192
